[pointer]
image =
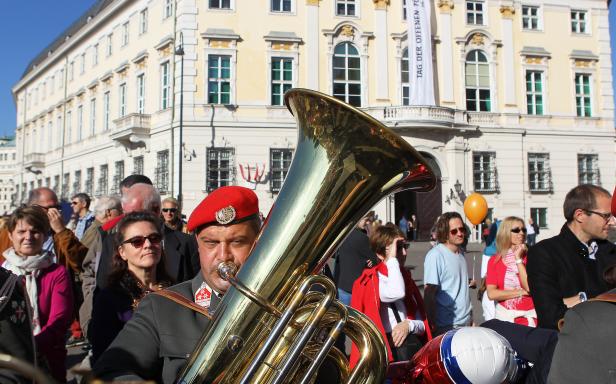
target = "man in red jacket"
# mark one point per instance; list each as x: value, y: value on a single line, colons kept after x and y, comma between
x: 387, y: 294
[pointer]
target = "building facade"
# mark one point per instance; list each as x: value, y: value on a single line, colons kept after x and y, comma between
x: 8, y: 160
x: 523, y: 91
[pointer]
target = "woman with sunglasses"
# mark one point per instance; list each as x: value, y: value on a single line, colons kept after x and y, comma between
x: 506, y: 279
x: 138, y: 268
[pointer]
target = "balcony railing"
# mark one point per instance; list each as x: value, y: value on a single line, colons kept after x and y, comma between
x: 132, y: 130
x: 34, y: 160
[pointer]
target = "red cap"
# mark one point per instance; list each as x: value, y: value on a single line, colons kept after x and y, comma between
x: 224, y: 206
x: 614, y: 202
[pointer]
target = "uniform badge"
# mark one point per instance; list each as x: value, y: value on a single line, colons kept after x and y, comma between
x: 203, y: 296
x: 225, y: 215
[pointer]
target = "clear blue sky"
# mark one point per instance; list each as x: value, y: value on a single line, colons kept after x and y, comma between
x: 28, y: 26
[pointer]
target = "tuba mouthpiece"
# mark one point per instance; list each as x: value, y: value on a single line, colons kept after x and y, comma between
x: 227, y: 270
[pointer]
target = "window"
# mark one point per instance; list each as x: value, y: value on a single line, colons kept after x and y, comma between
x: 125, y: 34
x: 347, y: 74
x: 168, y: 11
x: 405, y: 78
x: 220, y: 4
x: 65, y: 185
x: 280, y: 160
x: 404, y: 10
x: 56, y: 184
x: 52, y: 84
x: 578, y: 22
x: 117, y: 177
x: 219, y: 76
x: 79, y: 122
x: 162, y: 171
x: 588, y: 169
x: 60, y: 131
x: 82, y: 66
x: 534, y: 92
x: 141, y: 93
x: 71, y: 70
x: 539, y: 175
x: 530, y: 17
x: 143, y: 21
x: 540, y: 216
x: 474, y: 12
x: 477, y: 82
x: 138, y: 165
x: 281, y: 5
x: 102, y: 180
x: 49, y: 137
x: 583, y: 95
x: 219, y: 167
x: 61, y: 79
x: 95, y: 55
x: 345, y: 7
x: 89, y: 186
x: 109, y: 44
x: 484, y: 172
x: 77, y: 183
x: 106, y: 111
x: 165, y: 86
x: 92, y: 117
x: 122, y: 99
x: 282, y: 78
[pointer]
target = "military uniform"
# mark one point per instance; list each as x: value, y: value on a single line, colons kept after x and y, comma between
x: 157, y: 341
x: 15, y: 324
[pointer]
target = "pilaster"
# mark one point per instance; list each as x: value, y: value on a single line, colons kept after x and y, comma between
x: 380, y: 33
x: 509, y: 77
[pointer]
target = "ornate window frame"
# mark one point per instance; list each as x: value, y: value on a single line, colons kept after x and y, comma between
x: 281, y: 45
x: 221, y: 42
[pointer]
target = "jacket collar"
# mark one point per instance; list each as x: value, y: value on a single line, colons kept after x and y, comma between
x: 573, y: 242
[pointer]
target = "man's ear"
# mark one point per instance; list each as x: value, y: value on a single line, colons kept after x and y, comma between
x: 578, y: 214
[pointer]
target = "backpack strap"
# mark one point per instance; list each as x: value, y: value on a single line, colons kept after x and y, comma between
x: 608, y: 297
x: 179, y: 299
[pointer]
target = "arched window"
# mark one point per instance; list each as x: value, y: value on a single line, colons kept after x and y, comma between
x: 477, y: 82
x: 347, y: 74
x: 404, y: 76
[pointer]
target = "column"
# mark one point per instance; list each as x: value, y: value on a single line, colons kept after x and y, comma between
x: 508, y: 69
x: 381, y: 72
x: 446, y: 52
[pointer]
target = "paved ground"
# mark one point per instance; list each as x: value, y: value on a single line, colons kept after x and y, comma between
x: 415, y: 260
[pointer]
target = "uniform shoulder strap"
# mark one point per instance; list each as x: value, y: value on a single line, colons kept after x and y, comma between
x: 179, y: 299
x: 609, y: 297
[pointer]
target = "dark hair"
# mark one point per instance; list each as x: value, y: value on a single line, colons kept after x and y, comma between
x: 609, y: 275
x: 130, y: 180
x: 83, y: 197
x: 33, y: 215
x: 119, y: 267
x: 382, y: 236
x: 583, y: 197
x: 442, y: 225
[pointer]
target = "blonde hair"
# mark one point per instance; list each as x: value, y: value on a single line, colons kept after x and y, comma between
x: 503, y: 236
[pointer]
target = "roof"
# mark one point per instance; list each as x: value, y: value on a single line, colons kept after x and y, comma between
x: 7, y: 141
x: 94, y: 10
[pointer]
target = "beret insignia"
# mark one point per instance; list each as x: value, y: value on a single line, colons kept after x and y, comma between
x: 225, y: 215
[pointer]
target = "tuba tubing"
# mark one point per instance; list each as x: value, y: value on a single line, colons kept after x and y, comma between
x: 345, y: 162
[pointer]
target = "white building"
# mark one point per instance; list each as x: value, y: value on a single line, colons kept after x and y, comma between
x: 8, y: 160
x: 523, y: 88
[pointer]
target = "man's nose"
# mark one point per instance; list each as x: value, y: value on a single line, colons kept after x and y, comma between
x: 224, y: 252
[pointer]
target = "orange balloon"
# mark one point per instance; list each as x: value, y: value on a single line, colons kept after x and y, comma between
x: 475, y: 208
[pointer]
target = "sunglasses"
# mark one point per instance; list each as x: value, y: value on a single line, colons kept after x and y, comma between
x: 138, y: 241
x: 455, y: 231
x: 402, y: 245
x: 518, y: 229
x: 74, y: 202
x: 172, y: 210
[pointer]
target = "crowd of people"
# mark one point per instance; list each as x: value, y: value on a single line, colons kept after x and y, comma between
x: 136, y: 285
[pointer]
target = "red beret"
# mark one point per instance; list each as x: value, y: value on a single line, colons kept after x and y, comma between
x: 226, y: 205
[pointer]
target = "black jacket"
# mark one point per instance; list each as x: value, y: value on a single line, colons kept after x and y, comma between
x: 351, y: 259
x: 559, y: 267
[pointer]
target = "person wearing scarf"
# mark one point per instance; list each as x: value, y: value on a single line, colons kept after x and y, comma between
x: 48, y: 285
x: 138, y: 268
x: 387, y: 294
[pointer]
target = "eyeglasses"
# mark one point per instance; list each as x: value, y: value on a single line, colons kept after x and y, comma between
x: 74, y: 202
x: 172, y: 210
x: 455, y: 231
x: 138, y: 241
x: 402, y: 245
x: 519, y: 229
x: 604, y: 216
x: 57, y: 206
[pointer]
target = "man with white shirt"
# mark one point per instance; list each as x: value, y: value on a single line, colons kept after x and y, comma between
x: 387, y: 294
x: 568, y: 268
x: 446, y: 292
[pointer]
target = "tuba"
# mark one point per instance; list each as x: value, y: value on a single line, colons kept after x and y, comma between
x: 272, y: 326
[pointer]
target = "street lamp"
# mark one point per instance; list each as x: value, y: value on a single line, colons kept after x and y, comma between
x: 179, y: 51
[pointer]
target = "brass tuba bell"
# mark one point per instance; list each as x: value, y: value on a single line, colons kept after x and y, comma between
x: 270, y: 327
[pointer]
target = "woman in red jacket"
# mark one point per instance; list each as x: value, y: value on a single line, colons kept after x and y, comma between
x: 387, y: 294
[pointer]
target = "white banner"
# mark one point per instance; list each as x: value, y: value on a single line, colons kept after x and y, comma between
x: 420, y: 52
